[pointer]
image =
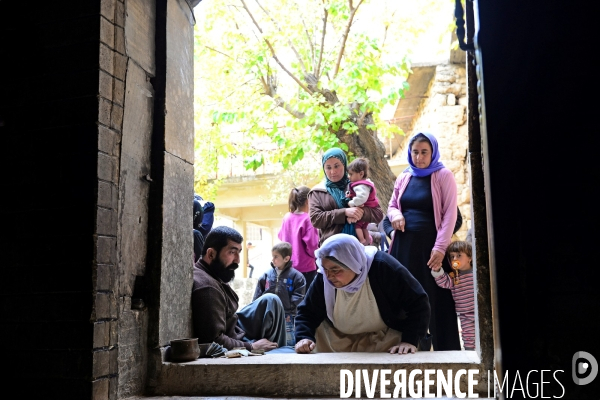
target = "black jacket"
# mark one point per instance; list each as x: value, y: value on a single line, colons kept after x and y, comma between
x: 402, y: 301
x: 387, y: 224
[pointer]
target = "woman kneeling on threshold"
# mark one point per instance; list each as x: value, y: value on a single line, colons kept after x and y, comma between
x: 362, y: 300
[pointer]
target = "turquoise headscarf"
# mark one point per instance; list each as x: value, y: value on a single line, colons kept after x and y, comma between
x: 337, y: 189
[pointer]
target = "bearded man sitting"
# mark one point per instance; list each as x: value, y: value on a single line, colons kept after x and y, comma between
x: 259, y: 325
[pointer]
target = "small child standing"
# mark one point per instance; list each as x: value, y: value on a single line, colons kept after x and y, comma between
x: 460, y: 281
x: 361, y: 193
x: 287, y: 283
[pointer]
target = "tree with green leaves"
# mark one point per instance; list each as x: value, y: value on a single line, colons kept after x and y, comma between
x: 305, y: 75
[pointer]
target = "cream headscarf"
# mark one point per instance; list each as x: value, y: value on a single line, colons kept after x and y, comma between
x: 350, y: 252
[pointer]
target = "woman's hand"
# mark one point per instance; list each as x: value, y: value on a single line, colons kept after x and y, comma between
x: 305, y: 346
x: 398, y: 223
x: 435, y: 261
x: 403, y: 348
x: 355, y: 213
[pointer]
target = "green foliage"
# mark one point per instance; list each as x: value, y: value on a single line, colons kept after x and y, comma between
x: 254, y: 60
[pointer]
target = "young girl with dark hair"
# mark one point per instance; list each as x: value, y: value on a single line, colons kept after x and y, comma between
x: 297, y: 230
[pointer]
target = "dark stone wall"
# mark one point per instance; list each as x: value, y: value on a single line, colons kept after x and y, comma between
x: 541, y: 128
x: 49, y: 102
x: 136, y: 177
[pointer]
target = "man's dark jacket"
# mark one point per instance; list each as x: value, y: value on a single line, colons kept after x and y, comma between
x: 214, y: 306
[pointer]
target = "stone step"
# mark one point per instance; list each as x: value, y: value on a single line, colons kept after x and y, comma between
x: 265, y: 398
x: 293, y: 375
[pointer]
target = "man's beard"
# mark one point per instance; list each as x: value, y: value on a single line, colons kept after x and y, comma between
x: 226, y: 274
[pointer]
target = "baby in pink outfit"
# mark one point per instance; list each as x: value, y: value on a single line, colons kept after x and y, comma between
x: 361, y: 193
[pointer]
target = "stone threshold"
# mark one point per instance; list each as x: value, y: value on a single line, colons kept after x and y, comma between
x: 291, y: 375
x: 265, y: 398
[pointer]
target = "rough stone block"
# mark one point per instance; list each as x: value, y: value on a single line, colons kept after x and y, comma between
x: 465, y: 210
x: 120, y: 40
x: 107, y: 9
x: 105, y: 85
x: 463, y: 133
x: 114, y: 333
x: 104, y: 108
x: 139, y: 33
x: 107, y: 59
x: 100, y: 389
x: 107, y: 196
x: 451, y: 100
x: 463, y: 101
x: 106, y: 250
x: 100, y: 364
x: 116, y: 117
x: 106, y: 222
x: 119, y: 92
x: 107, y: 32
x: 179, y: 101
x: 445, y: 75
x: 312, y: 376
x: 453, y: 165
x: 465, y: 197
x: 452, y: 115
x: 133, y: 353
x: 107, y: 167
x: 134, y: 239
x: 108, y: 141
x: 113, y: 355
x: 113, y: 388
x: 437, y: 100
x: 175, y: 310
x: 103, y: 277
x: 105, y: 306
x: 135, y: 165
x: 101, y: 307
x: 120, y: 69
x: 101, y: 334
x: 459, y: 177
x: 120, y: 14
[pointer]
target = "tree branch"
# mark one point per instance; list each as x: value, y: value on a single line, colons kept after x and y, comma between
x: 282, y: 34
x: 227, y: 96
x: 362, y: 117
x: 345, y: 36
x: 385, y: 33
x: 312, y: 46
x: 303, y: 86
x: 317, y: 72
x: 287, y: 107
x: 220, y: 52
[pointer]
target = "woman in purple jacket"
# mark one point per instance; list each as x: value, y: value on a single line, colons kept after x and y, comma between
x: 297, y: 230
x: 422, y: 211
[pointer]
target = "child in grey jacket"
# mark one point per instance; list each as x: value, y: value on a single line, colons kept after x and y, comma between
x: 286, y: 282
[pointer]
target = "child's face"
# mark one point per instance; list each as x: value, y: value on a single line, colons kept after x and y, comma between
x: 462, y: 258
x: 278, y: 261
x: 355, y: 176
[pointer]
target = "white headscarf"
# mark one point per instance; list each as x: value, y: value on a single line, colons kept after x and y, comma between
x: 350, y: 252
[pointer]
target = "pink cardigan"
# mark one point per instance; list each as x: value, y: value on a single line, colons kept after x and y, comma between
x: 443, y: 192
x: 297, y: 230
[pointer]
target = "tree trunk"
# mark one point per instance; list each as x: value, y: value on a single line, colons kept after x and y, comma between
x: 366, y: 144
